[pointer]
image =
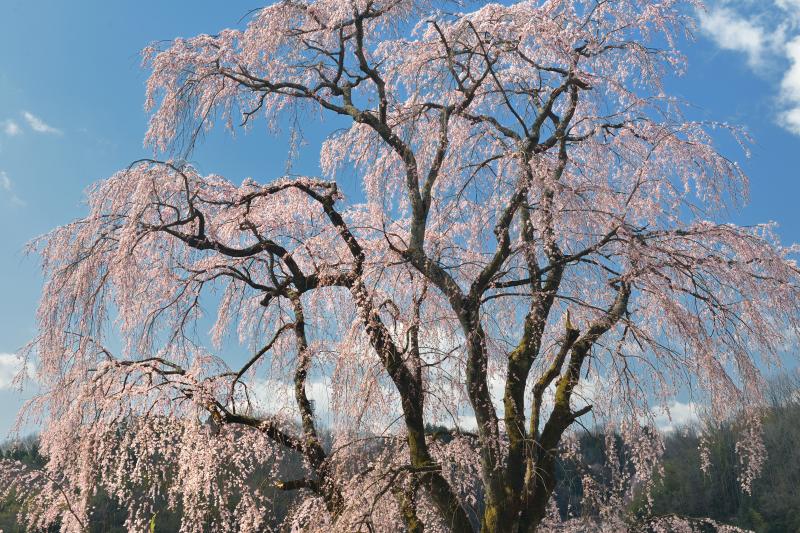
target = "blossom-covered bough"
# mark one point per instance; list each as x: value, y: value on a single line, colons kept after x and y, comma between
x: 535, y: 244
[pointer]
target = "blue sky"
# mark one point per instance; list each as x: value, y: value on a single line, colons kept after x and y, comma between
x: 71, y: 96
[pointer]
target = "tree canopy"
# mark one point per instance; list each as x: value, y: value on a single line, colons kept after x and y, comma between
x: 540, y: 240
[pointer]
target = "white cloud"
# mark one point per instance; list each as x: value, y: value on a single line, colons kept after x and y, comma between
x: 678, y: 414
x: 790, y: 119
x: 273, y: 396
x: 39, y: 125
x: 790, y: 88
x: 11, y: 128
x: 733, y: 32
x: 768, y: 33
x: 10, y: 366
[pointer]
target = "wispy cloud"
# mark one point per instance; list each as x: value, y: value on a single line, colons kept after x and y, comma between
x: 11, y: 128
x: 768, y: 33
x: 7, y: 186
x: 38, y: 125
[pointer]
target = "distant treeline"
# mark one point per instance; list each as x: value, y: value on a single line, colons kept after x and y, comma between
x: 684, y: 490
x: 774, y: 506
